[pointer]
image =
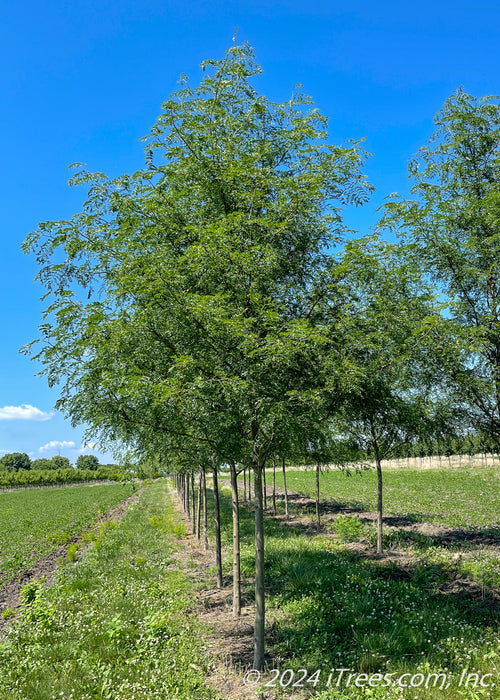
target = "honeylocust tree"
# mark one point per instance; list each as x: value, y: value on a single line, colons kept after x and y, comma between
x: 206, y: 265
x: 397, y: 397
x: 453, y: 225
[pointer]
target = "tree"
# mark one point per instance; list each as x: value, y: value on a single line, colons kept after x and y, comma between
x: 208, y: 265
x: 87, y: 462
x: 43, y: 463
x: 15, y: 461
x: 395, y: 398
x: 452, y: 225
x: 59, y: 462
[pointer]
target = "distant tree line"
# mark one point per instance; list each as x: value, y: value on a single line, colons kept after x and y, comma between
x: 17, y: 469
x: 461, y: 445
x: 15, y: 461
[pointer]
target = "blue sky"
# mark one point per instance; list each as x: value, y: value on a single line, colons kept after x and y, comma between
x: 83, y: 81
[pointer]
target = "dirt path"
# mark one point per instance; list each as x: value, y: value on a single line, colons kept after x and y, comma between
x: 230, y: 642
x: 46, y: 567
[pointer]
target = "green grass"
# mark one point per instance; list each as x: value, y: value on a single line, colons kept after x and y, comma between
x: 33, y: 522
x: 330, y: 608
x: 120, y: 623
x: 465, y: 500
x: 461, y: 498
x: 116, y: 625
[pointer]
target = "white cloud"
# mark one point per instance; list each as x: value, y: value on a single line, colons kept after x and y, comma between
x: 23, y: 412
x: 56, y: 445
x: 88, y: 448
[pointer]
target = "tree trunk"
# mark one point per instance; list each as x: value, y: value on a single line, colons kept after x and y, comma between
x: 245, y: 484
x: 379, y: 500
x: 193, y: 510
x: 287, y: 514
x: 205, y: 511
x: 218, y: 547
x: 188, y: 505
x: 318, y: 518
x: 265, y: 487
x: 236, y: 543
x: 260, y: 610
x: 198, y: 511
x: 274, y: 486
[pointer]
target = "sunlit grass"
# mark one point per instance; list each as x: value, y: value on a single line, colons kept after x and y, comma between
x: 461, y: 498
x: 329, y: 607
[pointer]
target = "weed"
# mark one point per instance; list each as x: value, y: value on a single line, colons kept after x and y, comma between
x: 36, y: 608
x: 72, y: 552
x: 115, y: 627
x: 58, y: 538
x: 157, y: 522
x: 31, y: 591
x: 348, y: 527
x: 177, y: 529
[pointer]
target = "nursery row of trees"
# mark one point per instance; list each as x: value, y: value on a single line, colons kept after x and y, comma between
x: 17, y: 469
x: 463, y: 446
x: 213, y: 310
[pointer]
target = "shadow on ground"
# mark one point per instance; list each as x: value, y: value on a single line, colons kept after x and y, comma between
x: 332, y: 607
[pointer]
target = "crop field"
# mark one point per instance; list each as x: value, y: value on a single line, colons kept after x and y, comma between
x: 35, y: 521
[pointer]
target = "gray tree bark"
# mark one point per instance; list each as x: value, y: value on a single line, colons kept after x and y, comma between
x: 236, y: 543
x: 218, y: 546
